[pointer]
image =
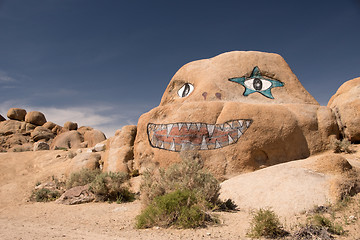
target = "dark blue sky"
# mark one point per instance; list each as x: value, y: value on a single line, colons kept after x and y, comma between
x: 104, y: 63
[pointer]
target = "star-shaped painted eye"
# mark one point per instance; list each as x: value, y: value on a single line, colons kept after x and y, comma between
x: 257, y: 83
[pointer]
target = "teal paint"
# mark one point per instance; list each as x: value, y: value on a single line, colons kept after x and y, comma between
x: 257, y: 83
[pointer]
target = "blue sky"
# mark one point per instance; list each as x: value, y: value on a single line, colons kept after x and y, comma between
x: 104, y: 63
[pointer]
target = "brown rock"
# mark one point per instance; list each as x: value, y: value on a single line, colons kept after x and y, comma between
x: 332, y: 164
x: 41, y: 133
x: 36, y: 118
x: 346, y: 106
x: 76, y: 195
x: 120, y: 150
x: 70, y: 139
x: 83, y: 129
x: 240, y: 110
x: 93, y: 137
x: 9, y: 127
x: 70, y: 126
x: 16, y: 114
x: 85, y: 160
x: 57, y: 129
x: 39, y: 146
x: 2, y: 118
x: 49, y: 125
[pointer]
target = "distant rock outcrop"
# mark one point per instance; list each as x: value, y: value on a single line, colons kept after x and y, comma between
x: 346, y: 106
x: 23, y: 130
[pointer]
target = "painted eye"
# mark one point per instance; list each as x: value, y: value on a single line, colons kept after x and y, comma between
x: 185, y: 90
x: 257, y: 84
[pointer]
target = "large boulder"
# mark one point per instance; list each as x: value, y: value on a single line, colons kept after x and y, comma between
x: 16, y: 114
x: 119, y: 150
x: 84, y: 160
x: 93, y: 137
x: 70, y: 139
x: 36, y: 118
x: 240, y: 110
x: 346, y: 105
x: 68, y: 126
x: 9, y: 127
x: 41, y: 133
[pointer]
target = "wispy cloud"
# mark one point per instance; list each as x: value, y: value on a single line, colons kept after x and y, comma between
x: 5, y: 78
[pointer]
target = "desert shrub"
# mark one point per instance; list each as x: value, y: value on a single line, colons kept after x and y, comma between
x: 265, y: 223
x: 188, y: 174
x: 339, y: 146
x: 321, y: 221
x: 44, y: 195
x: 81, y: 178
x: 109, y: 186
x: 181, y: 208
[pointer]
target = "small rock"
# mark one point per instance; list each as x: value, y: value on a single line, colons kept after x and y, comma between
x: 76, y: 195
x: 38, y: 146
x: 99, y: 147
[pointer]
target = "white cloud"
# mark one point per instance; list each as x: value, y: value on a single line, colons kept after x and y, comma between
x: 5, y: 78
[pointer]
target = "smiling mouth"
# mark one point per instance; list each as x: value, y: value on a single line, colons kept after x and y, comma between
x: 182, y: 136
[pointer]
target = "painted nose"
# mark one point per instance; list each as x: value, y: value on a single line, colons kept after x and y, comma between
x: 217, y: 95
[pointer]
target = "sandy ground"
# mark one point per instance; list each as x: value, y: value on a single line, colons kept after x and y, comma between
x: 21, y: 219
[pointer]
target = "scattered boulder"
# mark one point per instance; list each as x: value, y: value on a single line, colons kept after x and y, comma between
x: 69, y: 126
x: 84, y: 129
x: 70, y: 139
x: 36, y: 118
x: 41, y: 133
x: 76, y: 195
x: 93, y: 136
x: 16, y: 114
x: 85, y: 160
x: 2, y: 118
x: 99, y: 147
x: 240, y: 110
x: 39, y: 146
x: 346, y: 106
x: 49, y: 125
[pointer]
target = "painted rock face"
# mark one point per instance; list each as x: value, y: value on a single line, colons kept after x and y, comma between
x: 239, y: 110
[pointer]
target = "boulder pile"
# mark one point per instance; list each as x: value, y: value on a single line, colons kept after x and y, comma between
x: 24, y: 131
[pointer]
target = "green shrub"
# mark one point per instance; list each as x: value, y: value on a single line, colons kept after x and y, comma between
x: 339, y: 146
x: 181, y: 208
x: 188, y: 174
x: 44, y: 195
x: 265, y: 223
x: 109, y: 186
x: 319, y: 220
x: 81, y: 178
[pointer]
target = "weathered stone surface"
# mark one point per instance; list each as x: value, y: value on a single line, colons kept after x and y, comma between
x: 76, y: 195
x: 10, y: 127
x: 57, y: 129
x: 16, y: 114
x: 36, y: 118
x: 346, y: 106
x: 2, y: 118
x: 49, y: 125
x: 70, y: 126
x: 85, y: 160
x: 39, y: 146
x: 235, y: 126
x: 84, y: 129
x: 70, y: 139
x: 120, y: 150
x: 99, y: 147
x: 41, y: 133
x: 94, y: 136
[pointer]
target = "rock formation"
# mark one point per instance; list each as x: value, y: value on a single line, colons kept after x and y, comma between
x: 346, y: 106
x: 23, y: 130
x: 240, y: 110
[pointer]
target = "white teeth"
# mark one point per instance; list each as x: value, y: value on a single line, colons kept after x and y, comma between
x: 204, y: 144
x: 241, y: 122
x: 239, y: 133
x: 188, y: 125
x: 248, y: 123
x: 217, y: 145
x: 210, y: 129
x: 230, y: 139
x: 172, y: 146
x: 162, y: 145
x: 169, y: 127
x: 231, y: 124
x: 180, y: 125
x: 221, y: 126
x: 198, y: 126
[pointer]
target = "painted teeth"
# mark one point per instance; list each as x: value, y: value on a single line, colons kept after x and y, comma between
x: 196, y: 136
